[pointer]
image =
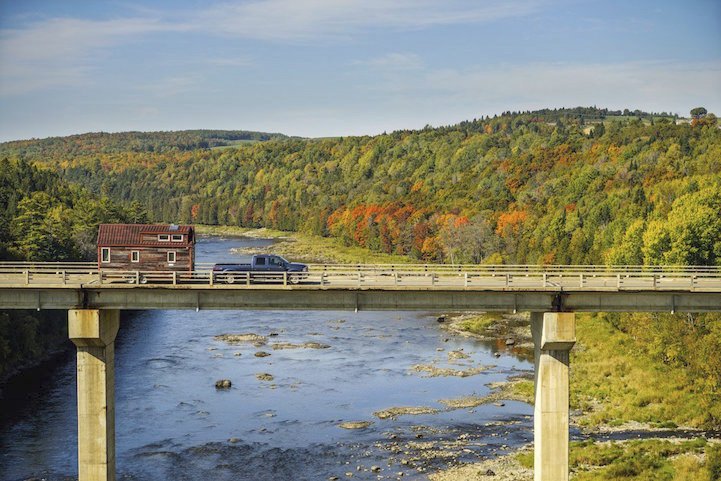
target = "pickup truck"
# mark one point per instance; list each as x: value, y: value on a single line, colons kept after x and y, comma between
x: 262, y: 268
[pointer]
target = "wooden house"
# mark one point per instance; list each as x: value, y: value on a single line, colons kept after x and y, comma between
x: 146, y: 247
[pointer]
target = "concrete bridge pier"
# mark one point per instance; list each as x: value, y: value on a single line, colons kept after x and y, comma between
x: 554, y: 334
x: 93, y: 333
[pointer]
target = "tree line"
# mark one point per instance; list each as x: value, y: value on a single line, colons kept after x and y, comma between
x: 514, y: 189
x: 106, y: 143
x: 540, y: 187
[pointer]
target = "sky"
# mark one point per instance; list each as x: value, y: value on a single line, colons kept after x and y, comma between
x: 318, y: 68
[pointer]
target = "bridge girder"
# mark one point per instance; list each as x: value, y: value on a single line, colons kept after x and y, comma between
x: 141, y: 298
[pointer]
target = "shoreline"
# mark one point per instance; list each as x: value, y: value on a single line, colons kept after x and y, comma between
x: 512, y: 332
x: 299, y: 247
x: 508, y: 333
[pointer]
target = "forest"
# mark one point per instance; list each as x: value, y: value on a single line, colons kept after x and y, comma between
x: 42, y: 217
x: 556, y: 186
x: 538, y: 187
x: 106, y: 143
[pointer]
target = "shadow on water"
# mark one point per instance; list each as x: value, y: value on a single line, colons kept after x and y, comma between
x: 22, y: 394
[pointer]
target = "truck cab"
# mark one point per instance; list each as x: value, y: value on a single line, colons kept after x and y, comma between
x: 261, y: 268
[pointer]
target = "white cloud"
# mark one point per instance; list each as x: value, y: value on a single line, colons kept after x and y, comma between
x: 231, y: 62
x: 309, y: 19
x: 174, y: 85
x: 646, y: 85
x: 64, y: 51
x: 146, y: 111
x: 393, y: 61
x: 60, y: 51
x: 399, y: 89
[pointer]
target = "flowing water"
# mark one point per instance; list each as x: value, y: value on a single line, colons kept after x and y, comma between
x: 173, y: 424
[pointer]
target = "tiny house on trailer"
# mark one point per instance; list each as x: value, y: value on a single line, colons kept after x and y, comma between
x: 146, y: 247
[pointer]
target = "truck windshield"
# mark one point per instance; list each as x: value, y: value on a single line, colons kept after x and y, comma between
x: 277, y: 261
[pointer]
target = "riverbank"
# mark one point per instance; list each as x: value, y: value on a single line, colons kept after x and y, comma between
x: 614, y: 384
x: 615, y: 387
x: 658, y: 459
x: 304, y: 247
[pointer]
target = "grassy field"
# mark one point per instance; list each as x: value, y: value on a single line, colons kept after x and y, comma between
x: 643, y: 460
x: 229, y: 230
x: 479, y: 324
x: 613, y: 383
x: 646, y: 120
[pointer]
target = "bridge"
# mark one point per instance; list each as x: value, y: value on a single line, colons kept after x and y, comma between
x: 552, y: 294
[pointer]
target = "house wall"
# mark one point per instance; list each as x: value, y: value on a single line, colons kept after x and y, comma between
x: 151, y: 258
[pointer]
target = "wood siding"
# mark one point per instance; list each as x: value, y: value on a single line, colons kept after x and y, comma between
x: 151, y: 258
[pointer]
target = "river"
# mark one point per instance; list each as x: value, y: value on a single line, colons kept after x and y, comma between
x: 173, y: 424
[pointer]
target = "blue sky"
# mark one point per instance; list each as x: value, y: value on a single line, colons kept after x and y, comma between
x: 343, y: 67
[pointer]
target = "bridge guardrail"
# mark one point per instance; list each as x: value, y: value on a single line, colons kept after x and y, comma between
x: 8, y: 266
x: 518, y: 269
x: 376, y: 276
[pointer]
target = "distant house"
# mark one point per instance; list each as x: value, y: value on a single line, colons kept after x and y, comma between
x: 146, y: 247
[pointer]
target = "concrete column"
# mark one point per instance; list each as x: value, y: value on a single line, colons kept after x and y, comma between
x: 554, y: 334
x: 93, y: 333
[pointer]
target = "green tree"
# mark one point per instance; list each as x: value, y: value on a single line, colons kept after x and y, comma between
x: 27, y: 227
x: 630, y: 250
x: 137, y: 214
x: 43, y: 229
x: 698, y: 112
x: 691, y: 235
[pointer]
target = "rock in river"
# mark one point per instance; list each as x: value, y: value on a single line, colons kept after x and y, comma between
x: 434, y: 371
x: 454, y: 355
x: 223, y: 384
x: 355, y: 424
x: 242, y: 338
x: 264, y: 376
x: 306, y: 345
x: 394, y: 412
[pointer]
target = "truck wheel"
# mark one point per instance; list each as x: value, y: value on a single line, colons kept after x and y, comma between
x: 143, y: 279
x: 230, y: 279
x: 294, y: 279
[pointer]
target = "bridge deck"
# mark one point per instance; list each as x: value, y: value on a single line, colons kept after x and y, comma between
x: 416, y: 287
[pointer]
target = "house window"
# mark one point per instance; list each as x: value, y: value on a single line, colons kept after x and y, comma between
x: 163, y: 237
x: 134, y: 256
x: 177, y: 238
x: 105, y: 254
x: 171, y: 257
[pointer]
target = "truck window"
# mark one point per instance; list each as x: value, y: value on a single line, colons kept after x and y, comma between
x: 260, y: 261
x: 275, y: 261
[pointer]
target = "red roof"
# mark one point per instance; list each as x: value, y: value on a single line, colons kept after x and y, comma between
x: 131, y: 235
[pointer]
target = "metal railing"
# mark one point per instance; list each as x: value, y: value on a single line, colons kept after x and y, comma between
x: 519, y: 269
x: 377, y: 276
